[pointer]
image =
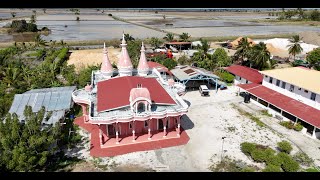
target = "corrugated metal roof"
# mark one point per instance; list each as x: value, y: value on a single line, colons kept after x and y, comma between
x: 56, y: 99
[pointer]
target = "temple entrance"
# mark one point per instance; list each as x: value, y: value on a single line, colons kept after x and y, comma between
x: 111, y: 131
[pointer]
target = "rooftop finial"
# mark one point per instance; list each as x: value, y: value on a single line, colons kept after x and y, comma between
x: 142, y: 47
x: 104, y: 45
x: 123, y: 39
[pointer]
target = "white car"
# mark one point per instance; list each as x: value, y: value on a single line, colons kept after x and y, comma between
x: 204, y: 91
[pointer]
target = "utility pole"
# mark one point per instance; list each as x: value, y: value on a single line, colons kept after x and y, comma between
x: 222, y: 147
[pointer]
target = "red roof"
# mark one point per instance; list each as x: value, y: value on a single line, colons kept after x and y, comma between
x: 247, y: 73
x: 302, y: 111
x: 114, y: 93
x: 158, y: 66
x: 178, y: 43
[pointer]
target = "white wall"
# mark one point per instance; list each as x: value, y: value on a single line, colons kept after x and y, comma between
x: 297, y: 94
x: 239, y: 80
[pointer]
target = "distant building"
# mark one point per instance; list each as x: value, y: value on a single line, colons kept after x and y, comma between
x: 292, y: 93
x: 244, y: 75
x: 126, y: 106
x: 193, y: 77
x: 57, y: 100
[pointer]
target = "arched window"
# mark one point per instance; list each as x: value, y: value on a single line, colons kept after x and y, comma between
x: 141, y: 107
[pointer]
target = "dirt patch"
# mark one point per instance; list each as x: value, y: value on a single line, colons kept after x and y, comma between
x: 84, y: 58
x: 132, y: 168
x: 83, y: 167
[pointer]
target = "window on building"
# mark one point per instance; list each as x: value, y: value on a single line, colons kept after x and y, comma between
x: 306, y: 91
x: 130, y: 125
x: 291, y: 88
x: 278, y: 82
x: 141, y: 107
x: 313, y: 96
x: 247, y: 81
x: 266, y: 76
x: 239, y: 78
x: 270, y: 80
x: 283, y: 85
x: 145, y: 123
x: 299, y: 89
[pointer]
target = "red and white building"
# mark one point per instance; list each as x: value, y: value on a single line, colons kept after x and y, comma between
x: 290, y: 93
x: 131, y: 105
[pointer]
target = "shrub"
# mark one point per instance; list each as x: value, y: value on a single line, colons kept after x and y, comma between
x: 272, y: 168
x: 290, y: 165
x: 312, y: 170
x: 284, y: 146
x: 303, y: 158
x: 247, y: 148
x: 274, y: 160
x: 298, y: 127
x: 225, y: 76
x: 287, y: 124
x: 258, y: 155
x: 31, y: 27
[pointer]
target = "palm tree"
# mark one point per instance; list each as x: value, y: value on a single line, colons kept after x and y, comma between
x: 128, y: 37
x: 204, y: 46
x: 260, y: 56
x: 11, y: 74
x: 39, y: 41
x: 155, y: 42
x: 295, y: 47
x: 243, y: 50
x: 169, y: 37
x: 184, y: 37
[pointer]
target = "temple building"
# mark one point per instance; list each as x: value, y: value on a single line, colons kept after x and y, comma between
x: 126, y: 106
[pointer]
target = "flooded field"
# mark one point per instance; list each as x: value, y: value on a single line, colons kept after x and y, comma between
x: 97, y: 25
x: 242, y: 30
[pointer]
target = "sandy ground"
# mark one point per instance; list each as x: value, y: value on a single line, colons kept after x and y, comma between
x: 208, y: 120
x: 83, y: 58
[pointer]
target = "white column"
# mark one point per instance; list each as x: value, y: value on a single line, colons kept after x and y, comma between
x: 314, y: 133
x: 296, y: 121
x: 164, y: 131
x: 117, y: 134
x: 133, y: 131
x: 178, y: 130
x: 100, y: 135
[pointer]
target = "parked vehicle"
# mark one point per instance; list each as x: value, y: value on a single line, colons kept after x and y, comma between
x: 204, y: 91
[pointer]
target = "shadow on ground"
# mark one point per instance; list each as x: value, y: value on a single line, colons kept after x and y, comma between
x: 186, y: 122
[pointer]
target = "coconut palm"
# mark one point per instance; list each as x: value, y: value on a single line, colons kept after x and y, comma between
x: 260, y: 56
x: 11, y: 74
x: 155, y: 42
x: 243, y: 50
x: 169, y: 37
x: 39, y: 41
x: 128, y: 37
x: 294, y: 46
x: 184, y: 37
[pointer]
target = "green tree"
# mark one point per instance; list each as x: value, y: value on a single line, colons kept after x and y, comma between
x: 39, y: 41
x: 169, y: 37
x: 243, y: 50
x: 26, y: 147
x: 313, y: 58
x: 184, y: 37
x: 155, y: 42
x: 221, y: 57
x: 294, y: 46
x: 128, y: 37
x: 169, y: 63
x: 13, y: 14
x: 315, y: 15
x: 260, y: 56
x: 33, y: 19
